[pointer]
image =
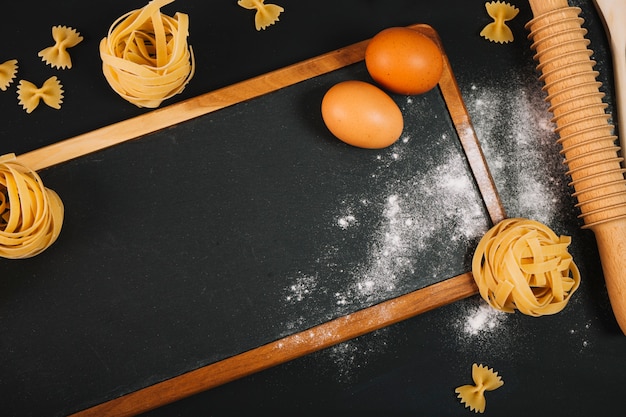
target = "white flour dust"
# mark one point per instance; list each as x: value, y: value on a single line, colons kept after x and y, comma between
x: 580, y: 334
x: 517, y: 137
x: 478, y: 327
x: 346, y: 221
x: 304, y: 286
x: 355, y: 354
x: 481, y: 319
x: 415, y: 211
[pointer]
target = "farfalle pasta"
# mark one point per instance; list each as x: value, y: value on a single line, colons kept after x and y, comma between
x: 521, y: 264
x: 145, y: 56
x: 29, y: 95
x: 266, y: 14
x: 56, y: 55
x: 498, y: 31
x: 8, y: 71
x: 473, y: 396
x: 31, y: 215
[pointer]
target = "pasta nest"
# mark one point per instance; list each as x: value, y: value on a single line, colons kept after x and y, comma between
x: 522, y: 264
x: 31, y: 215
x: 145, y: 57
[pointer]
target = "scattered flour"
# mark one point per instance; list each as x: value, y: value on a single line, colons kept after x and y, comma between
x: 346, y: 221
x: 516, y: 135
x: 414, y: 212
x: 304, y: 286
x: 518, y: 140
x: 580, y: 334
x: 480, y: 328
x: 481, y: 319
x: 355, y: 354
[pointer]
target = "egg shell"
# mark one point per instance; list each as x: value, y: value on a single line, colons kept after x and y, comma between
x: 361, y: 114
x: 404, y: 61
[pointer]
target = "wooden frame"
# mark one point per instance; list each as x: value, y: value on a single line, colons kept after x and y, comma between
x: 321, y: 336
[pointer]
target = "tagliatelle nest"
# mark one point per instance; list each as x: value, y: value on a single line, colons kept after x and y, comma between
x: 522, y: 264
x: 31, y: 215
x: 145, y: 56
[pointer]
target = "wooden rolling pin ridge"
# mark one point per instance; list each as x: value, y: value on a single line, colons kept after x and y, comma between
x: 586, y: 135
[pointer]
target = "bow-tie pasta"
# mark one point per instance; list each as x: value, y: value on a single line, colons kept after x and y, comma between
x: 8, y: 70
x: 56, y: 55
x: 266, y: 14
x: 473, y: 396
x: 498, y: 31
x: 29, y: 95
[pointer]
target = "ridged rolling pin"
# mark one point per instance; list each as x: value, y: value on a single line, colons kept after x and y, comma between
x: 587, y: 137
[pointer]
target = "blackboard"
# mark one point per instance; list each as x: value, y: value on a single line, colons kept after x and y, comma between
x: 243, y: 229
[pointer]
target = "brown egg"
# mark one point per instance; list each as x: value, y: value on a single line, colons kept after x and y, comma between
x: 362, y: 115
x: 404, y: 61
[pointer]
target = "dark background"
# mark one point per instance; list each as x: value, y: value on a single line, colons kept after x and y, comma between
x: 180, y: 249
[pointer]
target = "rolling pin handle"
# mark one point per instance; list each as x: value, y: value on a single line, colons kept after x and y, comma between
x: 611, y: 240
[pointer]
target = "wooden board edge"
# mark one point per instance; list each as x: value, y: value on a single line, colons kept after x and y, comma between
x: 185, y: 110
x: 469, y: 141
x: 288, y: 348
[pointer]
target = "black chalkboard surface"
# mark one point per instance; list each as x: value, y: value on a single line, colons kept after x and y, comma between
x: 221, y: 234
x: 243, y: 228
